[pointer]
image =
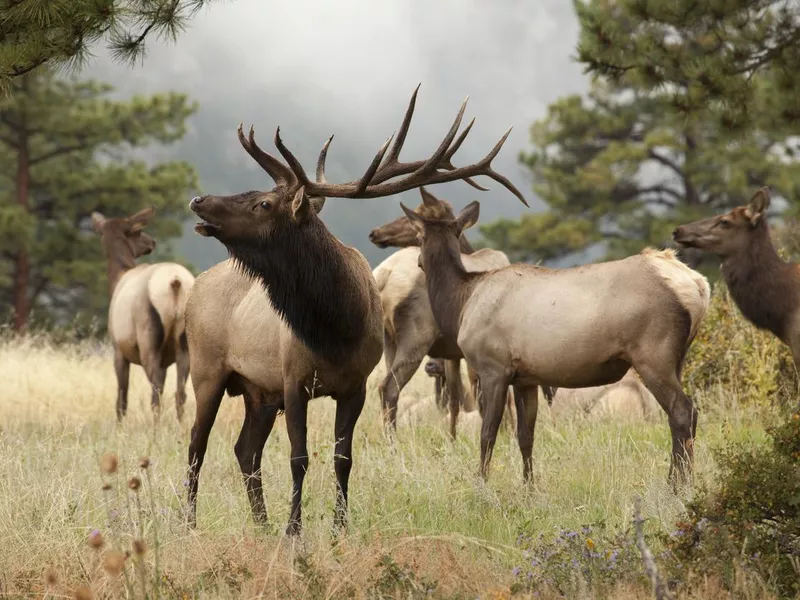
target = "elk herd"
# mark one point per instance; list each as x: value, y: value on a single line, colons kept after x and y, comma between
x: 294, y: 314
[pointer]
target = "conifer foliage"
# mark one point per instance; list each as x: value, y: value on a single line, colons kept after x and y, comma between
x: 59, y: 32
x: 67, y: 149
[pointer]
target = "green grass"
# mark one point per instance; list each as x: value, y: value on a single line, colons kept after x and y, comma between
x: 419, y: 502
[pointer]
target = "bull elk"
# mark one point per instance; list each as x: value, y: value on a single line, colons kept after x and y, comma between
x: 579, y: 327
x: 295, y: 314
x: 764, y: 287
x: 146, y: 313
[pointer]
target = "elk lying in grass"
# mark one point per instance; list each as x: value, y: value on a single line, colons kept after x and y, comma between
x: 146, y: 313
x: 410, y: 331
x: 764, y: 287
x: 580, y: 327
x: 296, y: 314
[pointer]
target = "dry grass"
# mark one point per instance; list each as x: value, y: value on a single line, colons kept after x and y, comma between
x: 419, y: 503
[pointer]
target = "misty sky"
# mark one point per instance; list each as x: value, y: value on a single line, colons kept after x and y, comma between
x: 348, y: 68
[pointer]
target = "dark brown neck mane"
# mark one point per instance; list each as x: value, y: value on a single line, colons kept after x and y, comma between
x: 764, y: 287
x: 449, y: 284
x: 119, y: 260
x: 311, y: 283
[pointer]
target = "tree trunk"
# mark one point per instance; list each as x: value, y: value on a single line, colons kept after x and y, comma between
x: 22, y: 270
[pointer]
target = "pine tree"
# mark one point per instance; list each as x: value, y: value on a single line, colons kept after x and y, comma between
x: 59, y: 32
x: 65, y: 151
x: 705, y: 54
x: 622, y: 168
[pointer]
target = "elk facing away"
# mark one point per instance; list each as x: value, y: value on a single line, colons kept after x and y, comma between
x: 580, y: 327
x: 146, y: 314
x: 295, y: 314
x: 764, y: 287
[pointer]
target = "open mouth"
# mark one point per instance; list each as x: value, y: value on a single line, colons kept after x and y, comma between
x: 206, y: 229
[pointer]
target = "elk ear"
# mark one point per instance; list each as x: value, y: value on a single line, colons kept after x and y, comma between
x: 98, y: 220
x: 428, y: 199
x: 469, y: 216
x: 413, y: 218
x: 301, y: 206
x: 758, y: 205
x: 143, y: 216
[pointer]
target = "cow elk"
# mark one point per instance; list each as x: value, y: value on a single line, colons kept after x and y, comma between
x: 585, y: 326
x: 764, y: 286
x: 146, y: 313
x: 410, y: 331
x: 295, y: 314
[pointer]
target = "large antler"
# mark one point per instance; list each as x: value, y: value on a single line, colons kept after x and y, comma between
x: 386, y: 165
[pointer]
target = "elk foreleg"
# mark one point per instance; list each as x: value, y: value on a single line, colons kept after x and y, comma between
x: 296, y: 401
x: 527, y: 403
x: 122, y: 368
x: 208, y: 393
x: 405, y: 364
x: 258, y: 422
x: 348, y: 410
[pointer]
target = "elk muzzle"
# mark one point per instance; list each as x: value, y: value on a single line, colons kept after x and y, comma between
x: 202, y: 206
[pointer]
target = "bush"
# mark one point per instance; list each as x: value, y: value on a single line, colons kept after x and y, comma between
x: 576, y: 561
x: 751, y: 521
x: 731, y: 353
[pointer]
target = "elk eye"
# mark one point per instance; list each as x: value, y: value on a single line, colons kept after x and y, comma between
x: 724, y: 223
x: 265, y: 205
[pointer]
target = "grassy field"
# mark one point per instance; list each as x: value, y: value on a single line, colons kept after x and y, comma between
x: 422, y: 523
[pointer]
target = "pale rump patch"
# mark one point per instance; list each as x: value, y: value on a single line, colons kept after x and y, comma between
x: 690, y: 287
x: 396, y: 277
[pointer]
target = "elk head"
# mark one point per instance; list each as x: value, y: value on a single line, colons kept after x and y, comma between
x: 123, y: 237
x: 256, y: 217
x: 400, y: 233
x: 726, y: 235
x: 439, y: 235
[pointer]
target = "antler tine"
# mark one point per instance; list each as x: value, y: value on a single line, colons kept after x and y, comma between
x: 489, y: 172
x: 373, y: 167
x: 394, y: 153
x: 323, y: 156
x: 279, y: 172
x: 441, y: 151
x: 294, y: 164
x: 454, y: 148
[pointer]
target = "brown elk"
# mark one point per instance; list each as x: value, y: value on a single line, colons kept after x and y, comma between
x: 146, y: 313
x: 579, y: 327
x: 296, y: 314
x: 764, y: 287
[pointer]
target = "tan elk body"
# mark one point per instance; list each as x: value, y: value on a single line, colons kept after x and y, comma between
x: 579, y: 327
x: 765, y: 287
x: 146, y: 312
x: 296, y: 314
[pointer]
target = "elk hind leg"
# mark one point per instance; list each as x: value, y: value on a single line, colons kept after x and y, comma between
x: 527, y: 403
x: 182, y: 368
x: 122, y: 368
x: 455, y: 391
x: 660, y: 377
x: 493, y: 388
